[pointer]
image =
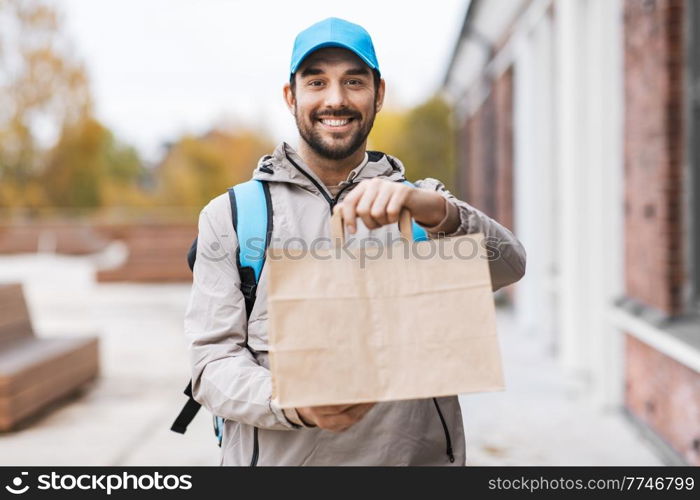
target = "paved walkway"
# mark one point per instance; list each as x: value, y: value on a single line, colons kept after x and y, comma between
x: 124, y: 417
x: 542, y: 418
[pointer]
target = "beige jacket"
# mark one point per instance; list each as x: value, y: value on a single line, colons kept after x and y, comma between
x: 229, y: 358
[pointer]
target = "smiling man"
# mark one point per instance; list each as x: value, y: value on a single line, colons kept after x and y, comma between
x: 334, y: 93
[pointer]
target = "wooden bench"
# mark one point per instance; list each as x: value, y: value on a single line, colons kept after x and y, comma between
x: 35, y: 372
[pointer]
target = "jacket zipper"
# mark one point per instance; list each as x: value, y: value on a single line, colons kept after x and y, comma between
x: 331, y: 201
x: 450, y: 455
x: 256, y: 448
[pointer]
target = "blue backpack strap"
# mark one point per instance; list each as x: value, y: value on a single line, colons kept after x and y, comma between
x: 253, y: 229
x: 219, y: 429
x: 419, y: 234
x: 251, y: 212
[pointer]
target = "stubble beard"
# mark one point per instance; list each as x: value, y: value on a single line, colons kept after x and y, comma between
x: 311, y: 134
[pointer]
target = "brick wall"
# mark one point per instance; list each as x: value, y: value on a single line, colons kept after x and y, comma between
x: 654, y: 145
x: 504, y: 153
x: 660, y: 392
x: 486, y: 171
x: 665, y: 395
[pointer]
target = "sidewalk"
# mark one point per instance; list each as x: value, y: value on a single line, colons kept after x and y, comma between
x: 125, y: 417
x: 542, y: 418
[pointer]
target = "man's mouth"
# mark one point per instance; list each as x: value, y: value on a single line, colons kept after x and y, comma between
x: 336, y: 123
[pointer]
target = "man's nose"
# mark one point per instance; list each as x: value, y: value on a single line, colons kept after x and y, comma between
x: 335, y: 95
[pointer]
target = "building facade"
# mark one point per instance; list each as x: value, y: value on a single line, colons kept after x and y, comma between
x: 579, y: 128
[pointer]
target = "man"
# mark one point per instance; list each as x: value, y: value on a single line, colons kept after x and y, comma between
x: 334, y: 93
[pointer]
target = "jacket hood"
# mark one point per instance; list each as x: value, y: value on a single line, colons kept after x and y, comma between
x: 285, y: 165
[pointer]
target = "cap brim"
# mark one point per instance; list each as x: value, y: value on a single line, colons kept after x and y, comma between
x: 332, y: 44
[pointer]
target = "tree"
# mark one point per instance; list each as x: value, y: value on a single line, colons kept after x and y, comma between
x: 89, y: 168
x: 421, y: 137
x: 40, y: 84
x: 196, y: 169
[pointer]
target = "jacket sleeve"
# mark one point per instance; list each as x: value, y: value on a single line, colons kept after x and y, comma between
x: 508, y: 263
x: 226, y: 378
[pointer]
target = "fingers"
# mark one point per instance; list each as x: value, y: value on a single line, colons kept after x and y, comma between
x: 376, y: 201
x: 377, y: 211
x: 328, y: 410
x: 347, y: 207
x: 364, y: 205
x: 354, y: 414
x: 336, y: 418
x: 315, y: 414
x: 358, y: 411
x: 395, y: 204
x: 331, y: 409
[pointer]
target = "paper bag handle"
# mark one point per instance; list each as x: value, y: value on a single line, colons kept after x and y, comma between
x: 338, y: 228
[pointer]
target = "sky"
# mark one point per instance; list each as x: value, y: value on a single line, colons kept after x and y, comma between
x: 162, y: 68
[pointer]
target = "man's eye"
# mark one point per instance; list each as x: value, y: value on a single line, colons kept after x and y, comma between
x: 315, y: 83
x: 354, y: 82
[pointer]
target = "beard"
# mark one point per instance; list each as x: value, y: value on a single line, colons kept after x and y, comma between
x: 334, y: 149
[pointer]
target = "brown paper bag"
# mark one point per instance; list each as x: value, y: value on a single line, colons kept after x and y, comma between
x: 403, y: 324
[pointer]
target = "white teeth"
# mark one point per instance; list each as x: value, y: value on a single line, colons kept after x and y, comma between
x: 335, y: 123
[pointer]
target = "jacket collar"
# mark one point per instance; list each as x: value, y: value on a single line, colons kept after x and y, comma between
x: 285, y: 165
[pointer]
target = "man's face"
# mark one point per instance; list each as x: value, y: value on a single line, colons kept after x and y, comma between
x: 335, y: 102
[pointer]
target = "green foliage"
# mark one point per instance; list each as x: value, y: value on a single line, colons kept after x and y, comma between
x: 421, y: 137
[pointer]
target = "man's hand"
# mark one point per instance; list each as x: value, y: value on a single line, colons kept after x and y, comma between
x: 379, y: 202
x: 335, y: 418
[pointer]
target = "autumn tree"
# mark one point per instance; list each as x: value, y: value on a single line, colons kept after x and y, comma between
x: 421, y: 137
x: 196, y: 169
x: 41, y: 86
x: 89, y: 167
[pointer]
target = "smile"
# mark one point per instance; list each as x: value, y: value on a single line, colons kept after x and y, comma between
x: 336, y: 123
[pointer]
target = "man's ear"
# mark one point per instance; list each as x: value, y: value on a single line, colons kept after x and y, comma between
x: 289, y: 98
x: 380, y: 95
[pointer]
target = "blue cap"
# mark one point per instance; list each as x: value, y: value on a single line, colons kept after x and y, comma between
x: 334, y: 32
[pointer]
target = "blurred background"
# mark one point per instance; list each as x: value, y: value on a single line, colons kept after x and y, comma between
x: 575, y: 123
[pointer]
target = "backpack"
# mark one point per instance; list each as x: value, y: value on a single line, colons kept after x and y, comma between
x: 251, y: 212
